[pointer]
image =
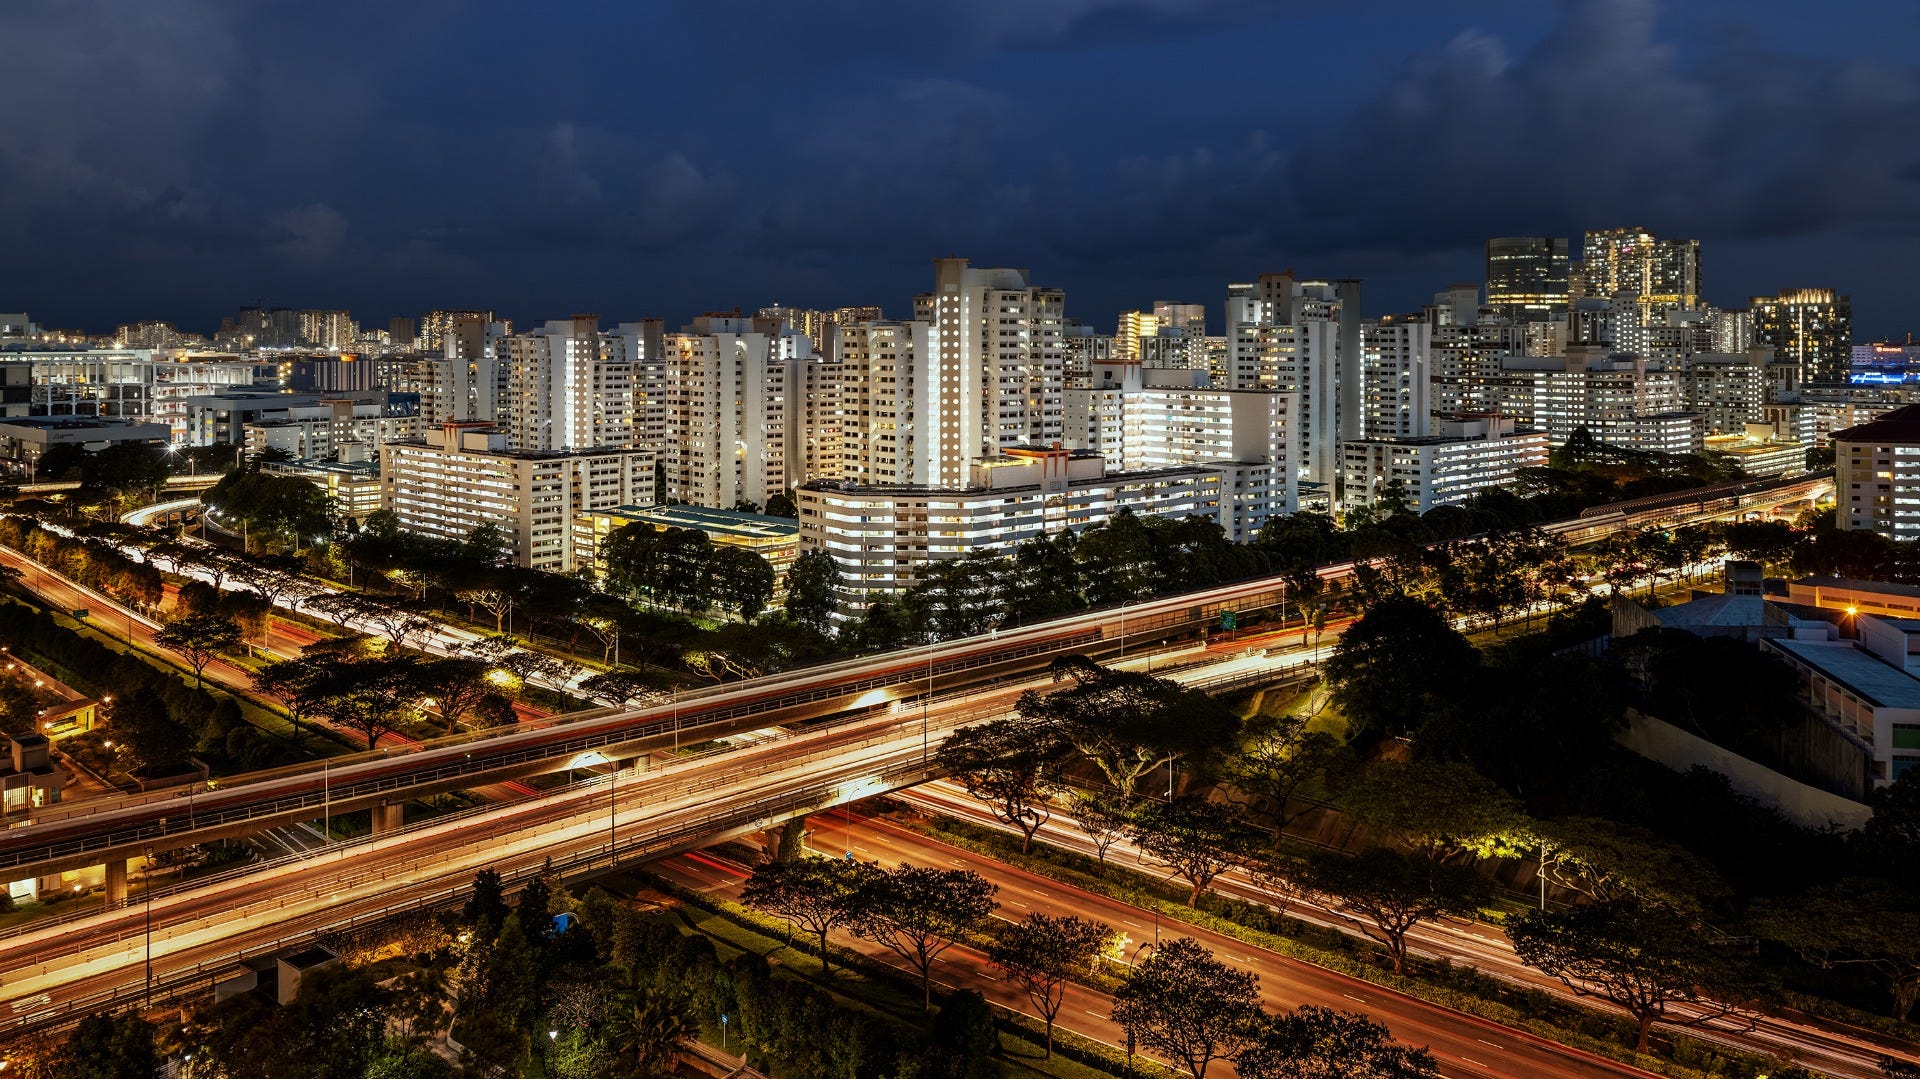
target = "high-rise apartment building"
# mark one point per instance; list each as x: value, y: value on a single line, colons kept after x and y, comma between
x: 732, y: 432
x: 569, y: 387
x: 1396, y: 364
x: 1528, y: 277
x: 1301, y: 338
x: 1877, y: 475
x: 1660, y: 274
x: 882, y: 400
x: 820, y: 326
x: 998, y: 369
x: 334, y: 330
x: 433, y: 325
x: 1618, y: 400
x: 1811, y: 328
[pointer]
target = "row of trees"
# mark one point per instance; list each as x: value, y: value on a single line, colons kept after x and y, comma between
x: 1180, y: 1003
x: 95, y: 563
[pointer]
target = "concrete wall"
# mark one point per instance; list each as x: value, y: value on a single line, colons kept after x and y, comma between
x: 1677, y: 749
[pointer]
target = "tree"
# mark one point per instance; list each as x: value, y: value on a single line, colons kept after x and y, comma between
x: 199, y: 638
x: 1197, y: 839
x: 1644, y: 959
x: 740, y: 581
x: 1043, y: 953
x: 1103, y: 818
x: 813, y: 583
x: 368, y: 695
x: 1129, y: 723
x: 455, y: 684
x: 1277, y: 759
x: 1385, y: 893
x: 647, y: 1028
x: 1188, y: 1006
x: 918, y: 913
x: 816, y: 894
x: 1396, y: 666
x: 486, y: 909
x: 1440, y: 810
x: 1856, y: 922
x: 1312, y: 1042
x: 108, y: 1047
x: 1011, y: 765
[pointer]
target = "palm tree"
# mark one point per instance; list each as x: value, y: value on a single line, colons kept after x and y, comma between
x: 646, y: 1028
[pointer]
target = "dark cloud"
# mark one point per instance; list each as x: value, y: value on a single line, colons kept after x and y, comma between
x: 656, y: 158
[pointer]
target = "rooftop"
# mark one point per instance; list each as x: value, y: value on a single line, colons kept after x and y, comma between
x: 71, y: 423
x: 720, y: 522
x: 1856, y: 669
x: 1900, y: 425
x: 1855, y: 584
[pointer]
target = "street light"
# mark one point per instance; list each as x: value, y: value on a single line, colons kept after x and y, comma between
x: 149, y: 897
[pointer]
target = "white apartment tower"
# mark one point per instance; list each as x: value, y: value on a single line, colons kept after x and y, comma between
x: 1301, y: 338
x: 731, y: 427
x: 882, y: 400
x: 1396, y: 368
x: 569, y: 388
x: 997, y: 370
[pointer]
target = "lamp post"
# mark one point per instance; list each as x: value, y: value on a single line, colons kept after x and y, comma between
x: 925, y: 702
x: 149, y: 931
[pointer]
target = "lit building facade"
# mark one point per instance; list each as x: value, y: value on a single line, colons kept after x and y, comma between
x: 1811, y: 328
x: 882, y: 537
x: 1461, y: 457
x: 459, y: 477
x: 1877, y: 475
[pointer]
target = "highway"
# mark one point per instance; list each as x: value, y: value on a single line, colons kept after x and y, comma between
x: 1465, y: 1046
x: 54, y: 970
x: 1479, y: 945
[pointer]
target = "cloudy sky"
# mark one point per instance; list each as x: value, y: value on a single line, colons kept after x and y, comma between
x: 179, y: 159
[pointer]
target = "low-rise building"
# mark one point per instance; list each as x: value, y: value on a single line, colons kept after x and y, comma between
x: 461, y: 476
x: 26, y: 439
x: 1866, y: 690
x: 352, y: 485
x: 1464, y: 455
x: 776, y: 539
x: 1758, y: 452
x: 883, y: 536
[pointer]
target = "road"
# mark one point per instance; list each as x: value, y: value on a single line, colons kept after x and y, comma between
x: 1477, y: 944
x: 50, y: 970
x: 1465, y: 1046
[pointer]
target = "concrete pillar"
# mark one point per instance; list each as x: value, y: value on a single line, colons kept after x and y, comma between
x: 784, y: 842
x: 116, y: 883
x: 387, y: 817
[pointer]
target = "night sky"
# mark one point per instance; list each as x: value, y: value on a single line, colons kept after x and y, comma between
x: 180, y: 158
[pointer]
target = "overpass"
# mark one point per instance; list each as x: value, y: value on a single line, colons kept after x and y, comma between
x: 108, y: 831
x: 194, y: 934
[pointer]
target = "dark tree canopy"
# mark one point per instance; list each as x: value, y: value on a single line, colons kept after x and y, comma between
x: 1396, y: 667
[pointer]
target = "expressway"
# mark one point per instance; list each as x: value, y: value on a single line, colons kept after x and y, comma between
x: 200, y: 931
x: 1464, y: 1045
x: 1479, y: 945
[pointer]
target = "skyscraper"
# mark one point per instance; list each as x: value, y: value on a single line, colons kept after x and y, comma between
x: 1809, y: 327
x: 568, y: 388
x: 998, y: 369
x: 1660, y: 274
x: 1527, y: 277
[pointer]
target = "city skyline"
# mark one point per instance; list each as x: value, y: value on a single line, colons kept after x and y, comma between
x: 367, y: 183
